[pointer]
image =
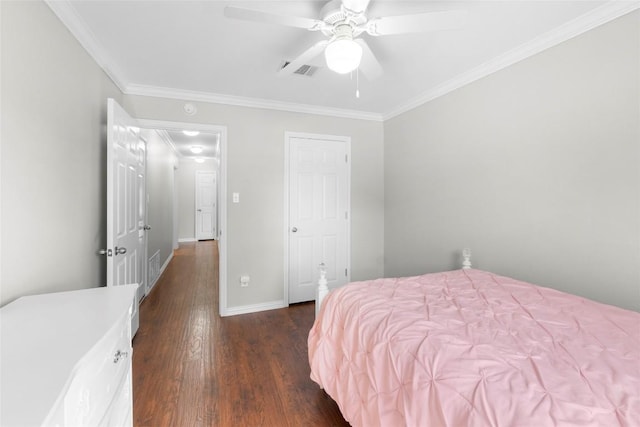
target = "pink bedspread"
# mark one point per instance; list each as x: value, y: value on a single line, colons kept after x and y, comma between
x: 470, y: 348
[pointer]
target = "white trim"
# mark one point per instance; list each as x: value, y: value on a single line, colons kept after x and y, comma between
x: 187, y: 240
x: 164, y: 135
x: 285, y: 217
x: 162, y: 269
x: 214, y: 98
x: 287, y: 137
x: 64, y: 10
x: 153, y: 285
x: 254, y: 308
x: 222, y: 196
x: 1, y: 302
x: 166, y: 263
x: 80, y: 30
x: 176, y: 200
x: 598, y: 16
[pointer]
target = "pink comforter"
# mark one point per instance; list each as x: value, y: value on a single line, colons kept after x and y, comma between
x: 470, y: 348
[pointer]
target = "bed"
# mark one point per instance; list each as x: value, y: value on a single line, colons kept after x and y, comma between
x: 472, y: 348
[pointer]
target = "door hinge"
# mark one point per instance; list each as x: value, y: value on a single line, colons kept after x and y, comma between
x: 346, y: 158
x: 345, y: 272
x: 346, y: 215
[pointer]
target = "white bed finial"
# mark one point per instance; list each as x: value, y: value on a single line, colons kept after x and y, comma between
x: 466, y: 258
x: 322, y: 289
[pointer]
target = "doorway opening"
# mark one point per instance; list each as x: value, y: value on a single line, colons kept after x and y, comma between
x: 198, y: 147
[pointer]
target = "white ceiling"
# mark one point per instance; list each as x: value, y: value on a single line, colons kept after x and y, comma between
x: 183, y: 143
x: 189, y: 50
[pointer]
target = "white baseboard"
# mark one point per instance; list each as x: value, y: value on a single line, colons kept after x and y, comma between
x: 164, y: 266
x: 187, y: 239
x: 254, y: 308
x: 166, y: 263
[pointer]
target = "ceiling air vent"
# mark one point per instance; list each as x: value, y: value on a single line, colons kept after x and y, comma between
x: 303, y: 70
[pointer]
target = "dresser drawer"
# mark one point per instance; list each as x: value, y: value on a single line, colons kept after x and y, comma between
x: 119, y: 412
x: 99, y: 376
x: 57, y: 356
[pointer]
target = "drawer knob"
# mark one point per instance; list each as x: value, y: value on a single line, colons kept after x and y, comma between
x: 119, y: 355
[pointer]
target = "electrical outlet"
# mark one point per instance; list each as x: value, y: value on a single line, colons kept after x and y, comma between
x: 244, y: 281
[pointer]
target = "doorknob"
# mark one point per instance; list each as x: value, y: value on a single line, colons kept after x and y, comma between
x: 119, y: 251
x: 199, y: 210
x: 294, y: 229
x: 146, y: 227
x: 107, y: 252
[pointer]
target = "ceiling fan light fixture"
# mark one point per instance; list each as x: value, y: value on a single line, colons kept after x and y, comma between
x: 343, y: 55
x: 196, y: 149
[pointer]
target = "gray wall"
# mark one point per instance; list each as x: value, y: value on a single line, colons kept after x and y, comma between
x: 161, y: 160
x: 186, y: 182
x: 536, y: 168
x: 53, y: 175
x: 255, y: 167
x: 54, y: 178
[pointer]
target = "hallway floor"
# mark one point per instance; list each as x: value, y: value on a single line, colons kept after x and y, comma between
x: 193, y: 368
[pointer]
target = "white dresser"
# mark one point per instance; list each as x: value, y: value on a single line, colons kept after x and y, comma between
x: 65, y: 359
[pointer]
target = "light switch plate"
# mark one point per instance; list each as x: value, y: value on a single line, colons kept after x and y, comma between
x: 236, y: 197
x: 244, y: 281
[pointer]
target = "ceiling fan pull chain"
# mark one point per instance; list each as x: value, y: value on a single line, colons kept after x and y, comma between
x: 358, y: 83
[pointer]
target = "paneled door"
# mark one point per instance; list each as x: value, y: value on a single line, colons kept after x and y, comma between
x: 318, y: 212
x: 126, y: 203
x: 206, y: 218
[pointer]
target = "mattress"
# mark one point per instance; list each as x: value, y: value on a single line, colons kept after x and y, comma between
x: 471, y: 348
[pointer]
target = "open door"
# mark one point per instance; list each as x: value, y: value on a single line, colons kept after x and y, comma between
x: 126, y: 203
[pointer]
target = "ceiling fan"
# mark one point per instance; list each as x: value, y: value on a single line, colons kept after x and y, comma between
x: 342, y: 22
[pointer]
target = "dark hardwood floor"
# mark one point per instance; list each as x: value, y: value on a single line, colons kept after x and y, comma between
x: 193, y: 368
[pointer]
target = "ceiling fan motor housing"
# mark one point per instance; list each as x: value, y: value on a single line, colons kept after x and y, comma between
x: 342, y: 32
x: 339, y: 19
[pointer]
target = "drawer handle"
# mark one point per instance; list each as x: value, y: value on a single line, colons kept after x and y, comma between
x: 119, y: 355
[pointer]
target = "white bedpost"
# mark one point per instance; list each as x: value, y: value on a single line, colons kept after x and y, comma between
x: 466, y: 258
x: 322, y: 290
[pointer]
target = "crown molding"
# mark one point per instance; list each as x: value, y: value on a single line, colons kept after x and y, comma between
x: 613, y: 9
x: 80, y: 30
x: 164, y: 135
x: 188, y: 95
x: 65, y: 11
x: 600, y: 15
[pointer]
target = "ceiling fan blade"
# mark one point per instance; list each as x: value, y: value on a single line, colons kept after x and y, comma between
x: 369, y: 65
x: 357, y: 6
x: 418, y: 23
x: 304, y: 58
x: 272, y: 18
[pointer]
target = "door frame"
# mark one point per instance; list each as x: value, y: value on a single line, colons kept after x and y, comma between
x: 222, y: 193
x: 287, y: 225
x: 145, y: 261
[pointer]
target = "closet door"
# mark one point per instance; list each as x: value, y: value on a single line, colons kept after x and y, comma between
x: 318, y: 217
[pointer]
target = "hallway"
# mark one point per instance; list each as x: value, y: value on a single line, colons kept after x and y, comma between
x: 193, y: 368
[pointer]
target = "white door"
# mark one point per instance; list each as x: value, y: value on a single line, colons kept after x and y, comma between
x: 318, y: 222
x: 206, y: 217
x: 126, y: 203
